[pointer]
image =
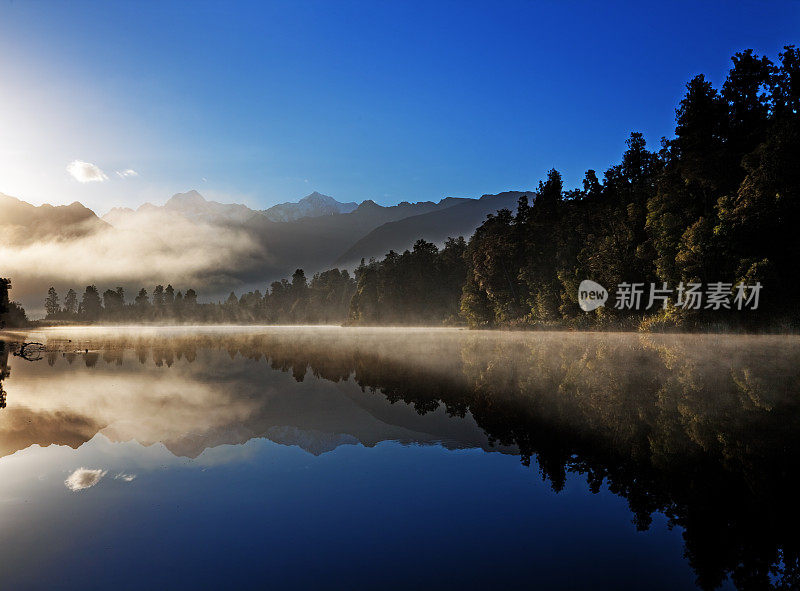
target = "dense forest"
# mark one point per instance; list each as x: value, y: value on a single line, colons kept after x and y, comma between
x: 717, y: 204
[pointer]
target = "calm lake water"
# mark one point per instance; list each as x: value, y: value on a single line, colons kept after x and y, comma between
x: 248, y: 458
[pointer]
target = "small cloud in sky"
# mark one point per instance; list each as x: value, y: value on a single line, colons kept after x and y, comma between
x: 86, y: 172
x: 129, y: 172
x: 84, y: 478
x: 204, y: 179
x: 125, y: 477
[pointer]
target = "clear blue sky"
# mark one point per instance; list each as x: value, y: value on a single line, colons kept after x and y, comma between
x: 360, y: 100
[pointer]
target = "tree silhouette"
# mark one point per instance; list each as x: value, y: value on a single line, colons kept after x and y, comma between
x: 142, y: 301
x: 52, y: 304
x: 169, y: 296
x: 71, y: 303
x: 190, y: 298
x: 5, y: 286
x: 113, y: 302
x: 158, y: 297
x: 90, y: 303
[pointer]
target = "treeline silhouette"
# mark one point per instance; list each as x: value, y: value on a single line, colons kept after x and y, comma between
x: 700, y: 429
x: 12, y: 315
x: 420, y: 286
x: 324, y: 299
x: 720, y: 202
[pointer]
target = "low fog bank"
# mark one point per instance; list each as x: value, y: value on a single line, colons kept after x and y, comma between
x: 140, y: 251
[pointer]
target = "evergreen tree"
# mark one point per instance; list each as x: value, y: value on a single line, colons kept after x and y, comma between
x: 90, y: 303
x: 190, y: 298
x: 71, y: 303
x: 142, y: 301
x: 113, y: 303
x: 52, y: 304
x: 5, y: 286
x: 158, y: 297
x: 169, y: 296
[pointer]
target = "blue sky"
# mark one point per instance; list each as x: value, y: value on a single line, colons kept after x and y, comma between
x: 360, y: 100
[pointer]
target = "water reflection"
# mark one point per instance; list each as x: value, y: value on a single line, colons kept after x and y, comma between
x: 4, y: 371
x: 700, y: 428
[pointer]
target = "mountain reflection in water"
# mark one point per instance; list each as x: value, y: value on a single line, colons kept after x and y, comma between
x: 702, y: 429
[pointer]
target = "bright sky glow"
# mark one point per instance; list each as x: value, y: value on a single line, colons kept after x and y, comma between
x: 260, y: 103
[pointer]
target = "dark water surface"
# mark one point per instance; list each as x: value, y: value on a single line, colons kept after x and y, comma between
x: 249, y: 458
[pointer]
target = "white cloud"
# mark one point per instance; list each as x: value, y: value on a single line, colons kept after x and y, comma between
x: 125, y: 477
x: 84, y: 478
x: 128, y: 172
x: 86, y: 172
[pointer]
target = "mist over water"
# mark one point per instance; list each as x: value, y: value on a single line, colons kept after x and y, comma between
x: 663, y: 460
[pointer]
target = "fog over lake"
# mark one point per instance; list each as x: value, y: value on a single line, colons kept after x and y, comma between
x: 248, y: 456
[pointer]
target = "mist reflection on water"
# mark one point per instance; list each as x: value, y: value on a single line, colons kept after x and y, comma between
x: 697, y: 432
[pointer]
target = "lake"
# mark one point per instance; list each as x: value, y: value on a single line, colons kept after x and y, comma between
x: 343, y: 458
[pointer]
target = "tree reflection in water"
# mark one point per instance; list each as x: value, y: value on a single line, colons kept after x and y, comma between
x: 4, y: 370
x: 700, y: 428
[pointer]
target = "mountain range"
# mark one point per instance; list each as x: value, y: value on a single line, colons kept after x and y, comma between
x: 194, y: 207
x: 23, y: 223
x: 310, y: 206
x: 191, y: 206
x: 225, y: 245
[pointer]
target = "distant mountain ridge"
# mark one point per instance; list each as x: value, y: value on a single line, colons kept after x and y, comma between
x: 314, y: 243
x: 462, y: 219
x: 309, y: 234
x: 192, y: 206
x: 310, y: 206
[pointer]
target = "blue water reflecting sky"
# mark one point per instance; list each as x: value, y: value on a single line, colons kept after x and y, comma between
x: 360, y: 459
x: 265, y: 514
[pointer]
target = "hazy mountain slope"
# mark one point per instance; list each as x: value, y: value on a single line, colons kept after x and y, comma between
x: 279, y: 247
x: 313, y: 205
x: 314, y: 243
x: 23, y: 223
x: 436, y: 226
x: 193, y: 205
x: 190, y: 205
x: 117, y: 215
